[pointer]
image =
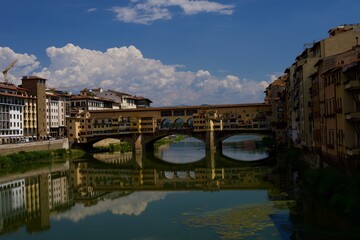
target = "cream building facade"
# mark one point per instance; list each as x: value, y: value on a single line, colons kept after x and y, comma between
x: 12, y: 102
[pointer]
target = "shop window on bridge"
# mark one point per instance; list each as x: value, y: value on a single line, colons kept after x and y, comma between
x: 166, y: 113
x: 190, y: 112
x: 179, y: 112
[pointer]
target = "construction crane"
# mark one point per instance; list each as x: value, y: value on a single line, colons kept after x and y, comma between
x: 7, y: 69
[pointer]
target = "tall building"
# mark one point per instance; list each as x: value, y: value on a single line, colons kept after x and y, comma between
x: 12, y: 101
x: 341, y: 39
x: 340, y: 108
x: 30, y: 117
x: 56, y: 104
x: 322, y: 98
x: 36, y: 87
x: 275, y: 95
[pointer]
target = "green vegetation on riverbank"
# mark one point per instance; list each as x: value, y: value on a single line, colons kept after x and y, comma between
x: 169, y: 139
x: 24, y: 161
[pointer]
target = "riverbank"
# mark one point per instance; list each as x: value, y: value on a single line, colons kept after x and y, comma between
x: 25, y: 161
x: 6, y: 149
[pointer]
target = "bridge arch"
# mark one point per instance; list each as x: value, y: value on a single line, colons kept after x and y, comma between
x: 166, y: 124
x: 148, y: 142
x: 228, y: 135
x: 179, y: 123
x: 189, y: 122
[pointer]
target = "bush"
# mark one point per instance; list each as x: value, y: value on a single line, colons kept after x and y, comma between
x: 23, y: 161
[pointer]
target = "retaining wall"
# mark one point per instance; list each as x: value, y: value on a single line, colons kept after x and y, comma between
x: 6, y: 149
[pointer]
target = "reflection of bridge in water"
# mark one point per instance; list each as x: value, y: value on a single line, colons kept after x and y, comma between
x: 142, y: 173
x: 54, y: 189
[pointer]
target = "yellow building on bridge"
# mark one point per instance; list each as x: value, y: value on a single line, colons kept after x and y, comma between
x: 86, y: 126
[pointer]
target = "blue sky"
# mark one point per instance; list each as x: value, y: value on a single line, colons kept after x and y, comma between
x: 171, y: 51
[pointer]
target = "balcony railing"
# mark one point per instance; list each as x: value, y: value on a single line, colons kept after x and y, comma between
x: 352, y: 116
x: 352, y: 85
x: 353, y: 151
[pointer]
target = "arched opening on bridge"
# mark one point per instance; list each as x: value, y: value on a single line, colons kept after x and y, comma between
x: 166, y: 124
x: 179, y: 123
x: 106, y: 142
x: 112, y: 145
x: 189, y: 123
x: 245, y: 147
x: 179, y: 149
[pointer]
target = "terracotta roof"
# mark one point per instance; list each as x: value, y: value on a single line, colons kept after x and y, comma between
x: 91, y: 98
x: 32, y: 78
x: 13, y: 95
x: 142, y: 98
x: 119, y: 93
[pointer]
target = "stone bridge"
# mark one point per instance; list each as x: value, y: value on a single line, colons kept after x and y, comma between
x: 142, y: 127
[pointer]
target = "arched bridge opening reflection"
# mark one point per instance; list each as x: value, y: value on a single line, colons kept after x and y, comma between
x: 147, y: 172
x: 245, y: 147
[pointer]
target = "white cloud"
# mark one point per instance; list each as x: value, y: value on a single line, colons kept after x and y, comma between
x: 25, y: 64
x: 125, y: 69
x: 147, y: 11
x: 133, y: 204
x: 91, y: 10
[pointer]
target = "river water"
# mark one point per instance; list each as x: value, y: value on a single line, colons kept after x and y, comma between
x: 178, y: 192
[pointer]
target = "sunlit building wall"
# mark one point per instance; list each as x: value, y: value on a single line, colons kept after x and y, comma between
x: 12, y: 101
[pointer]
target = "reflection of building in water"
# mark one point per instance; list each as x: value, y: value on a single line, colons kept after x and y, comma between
x: 85, y: 178
x: 12, y: 202
x: 29, y: 200
x: 58, y: 190
x: 37, y: 196
x: 247, y: 177
x: 91, y: 181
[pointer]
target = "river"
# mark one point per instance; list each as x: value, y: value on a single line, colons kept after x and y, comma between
x: 178, y: 192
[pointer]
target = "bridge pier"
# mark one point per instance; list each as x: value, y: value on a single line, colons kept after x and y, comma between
x: 210, y: 141
x: 136, y: 142
x: 210, y: 159
x: 138, y: 157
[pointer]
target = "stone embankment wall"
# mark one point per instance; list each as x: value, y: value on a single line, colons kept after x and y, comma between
x: 6, y: 149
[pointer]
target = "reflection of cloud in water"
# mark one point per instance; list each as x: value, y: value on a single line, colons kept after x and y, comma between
x: 133, y: 204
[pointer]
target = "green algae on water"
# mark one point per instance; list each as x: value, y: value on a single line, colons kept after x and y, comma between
x: 242, y: 222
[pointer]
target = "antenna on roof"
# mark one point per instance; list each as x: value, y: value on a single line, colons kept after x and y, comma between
x: 7, y: 69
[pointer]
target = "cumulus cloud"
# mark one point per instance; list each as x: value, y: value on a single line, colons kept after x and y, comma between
x: 133, y: 204
x: 125, y: 69
x: 147, y: 11
x: 25, y: 64
x: 274, y: 76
